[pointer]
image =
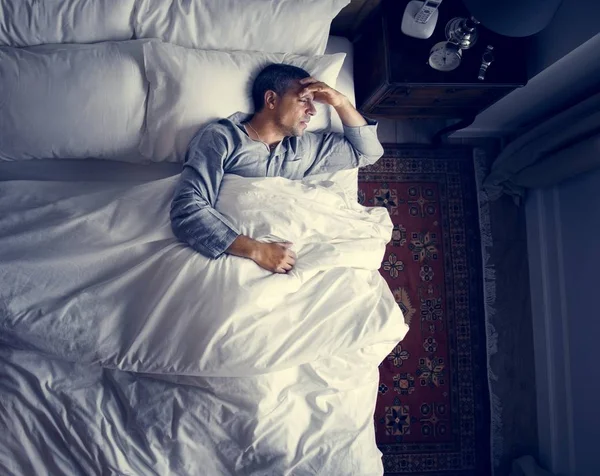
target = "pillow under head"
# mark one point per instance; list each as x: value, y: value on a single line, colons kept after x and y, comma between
x: 190, y: 88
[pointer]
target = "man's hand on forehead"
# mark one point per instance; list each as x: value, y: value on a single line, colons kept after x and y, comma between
x: 321, y: 92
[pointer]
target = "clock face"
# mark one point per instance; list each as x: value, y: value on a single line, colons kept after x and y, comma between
x: 444, y: 57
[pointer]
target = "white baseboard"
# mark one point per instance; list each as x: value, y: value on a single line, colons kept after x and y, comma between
x: 550, y: 330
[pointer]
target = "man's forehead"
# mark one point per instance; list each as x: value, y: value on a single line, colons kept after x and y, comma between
x: 297, y: 88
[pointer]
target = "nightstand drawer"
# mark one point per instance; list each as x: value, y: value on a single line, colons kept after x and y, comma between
x: 434, y: 101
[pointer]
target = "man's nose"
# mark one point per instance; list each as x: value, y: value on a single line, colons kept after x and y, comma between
x: 312, y: 110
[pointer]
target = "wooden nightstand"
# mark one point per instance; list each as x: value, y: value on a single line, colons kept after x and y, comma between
x: 393, y: 78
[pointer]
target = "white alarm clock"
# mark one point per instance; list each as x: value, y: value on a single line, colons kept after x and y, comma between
x: 445, y: 56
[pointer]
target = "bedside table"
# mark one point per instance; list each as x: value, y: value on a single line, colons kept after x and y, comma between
x: 394, y: 80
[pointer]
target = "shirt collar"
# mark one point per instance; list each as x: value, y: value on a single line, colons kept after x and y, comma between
x: 239, y: 117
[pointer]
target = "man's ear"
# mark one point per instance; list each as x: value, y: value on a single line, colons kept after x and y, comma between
x: 270, y: 99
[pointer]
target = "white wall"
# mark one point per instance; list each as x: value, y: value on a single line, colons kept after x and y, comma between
x: 564, y: 245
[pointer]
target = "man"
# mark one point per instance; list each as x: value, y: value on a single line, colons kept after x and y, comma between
x: 271, y: 142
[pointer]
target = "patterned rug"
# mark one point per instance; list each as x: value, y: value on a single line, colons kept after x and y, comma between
x: 432, y: 414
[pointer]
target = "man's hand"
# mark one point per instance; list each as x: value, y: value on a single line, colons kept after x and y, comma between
x: 275, y: 257
x: 322, y: 92
x: 327, y: 95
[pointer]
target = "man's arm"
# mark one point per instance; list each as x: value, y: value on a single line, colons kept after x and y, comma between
x: 195, y: 221
x: 193, y: 217
x: 349, y: 115
x: 356, y: 147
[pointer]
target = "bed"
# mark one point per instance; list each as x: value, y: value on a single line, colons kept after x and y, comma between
x: 122, y: 351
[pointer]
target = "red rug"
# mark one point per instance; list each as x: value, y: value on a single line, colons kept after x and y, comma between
x: 432, y: 414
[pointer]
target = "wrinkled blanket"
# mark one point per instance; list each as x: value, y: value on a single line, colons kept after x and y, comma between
x: 91, y: 277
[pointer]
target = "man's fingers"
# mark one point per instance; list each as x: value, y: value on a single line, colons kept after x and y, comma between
x: 284, y: 268
x: 289, y: 259
x: 308, y: 80
x: 313, y: 88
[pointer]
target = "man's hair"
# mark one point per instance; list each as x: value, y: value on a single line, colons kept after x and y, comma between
x: 276, y: 77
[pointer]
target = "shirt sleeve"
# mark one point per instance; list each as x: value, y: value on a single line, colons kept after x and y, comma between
x: 194, y: 219
x: 356, y: 147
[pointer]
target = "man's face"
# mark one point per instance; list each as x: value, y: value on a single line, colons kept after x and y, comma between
x: 292, y: 112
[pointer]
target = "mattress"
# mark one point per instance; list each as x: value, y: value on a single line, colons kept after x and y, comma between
x: 102, y: 170
x: 117, y: 390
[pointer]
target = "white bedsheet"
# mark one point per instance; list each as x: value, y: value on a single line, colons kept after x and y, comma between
x: 260, y: 373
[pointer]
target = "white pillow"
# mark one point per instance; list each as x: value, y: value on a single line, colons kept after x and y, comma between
x: 36, y: 22
x: 72, y: 101
x: 345, y: 80
x: 275, y: 26
x: 190, y: 88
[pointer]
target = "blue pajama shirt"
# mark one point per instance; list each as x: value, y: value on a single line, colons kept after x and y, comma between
x: 224, y: 147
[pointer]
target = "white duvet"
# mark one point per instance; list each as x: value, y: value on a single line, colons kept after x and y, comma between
x: 259, y: 373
